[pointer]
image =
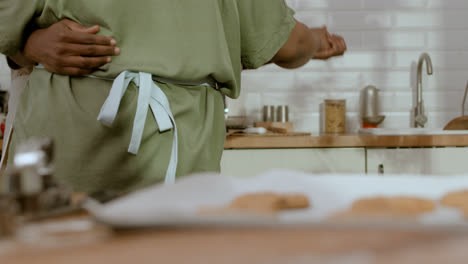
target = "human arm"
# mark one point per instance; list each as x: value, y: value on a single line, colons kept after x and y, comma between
x: 269, y: 33
x: 66, y: 48
x: 306, y: 43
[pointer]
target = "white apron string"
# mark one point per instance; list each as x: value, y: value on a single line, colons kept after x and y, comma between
x: 149, y: 96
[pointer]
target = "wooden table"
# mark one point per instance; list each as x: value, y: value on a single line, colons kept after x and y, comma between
x: 343, y: 141
x: 253, y: 245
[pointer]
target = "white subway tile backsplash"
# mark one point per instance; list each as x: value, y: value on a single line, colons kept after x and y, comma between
x: 328, y: 4
x: 443, y: 101
x: 359, y: 20
x: 312, y: 19
x: 352, y: 81
x: 395, y: 101
x: 248, y: 104
x: 382, y: 40
x: 393, y: 4
x: 306, y: 5
x: 269, y: 81
x: 450, y: 60
x: 443, y: 80
x: 448, y: 39
x: 306, y: 122
x: 388, y: 80
x: 352, y: 60
x: 446, y: 19
x: 439, y: 101
x: 448, y: 4
x: 327, y: 81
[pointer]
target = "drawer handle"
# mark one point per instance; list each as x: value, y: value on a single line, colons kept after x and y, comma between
x: 381, y: 169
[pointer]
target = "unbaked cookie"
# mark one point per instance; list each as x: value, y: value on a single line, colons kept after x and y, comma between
x: 265, y: 202
x: 388, y: 207
x: 296, y: 201
x: 457, y: 199
x: 261, y: 202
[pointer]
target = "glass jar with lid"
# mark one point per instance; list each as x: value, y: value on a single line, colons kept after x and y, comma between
x: 335, y: 116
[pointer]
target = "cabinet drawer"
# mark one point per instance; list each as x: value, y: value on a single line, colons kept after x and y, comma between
x: 430, y: 161
x: 250, y: 162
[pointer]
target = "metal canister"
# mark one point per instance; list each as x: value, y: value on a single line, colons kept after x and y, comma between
x: 282, y: 113
x: 370, y: 101
x: 370, y: 106
x: 269, y: 113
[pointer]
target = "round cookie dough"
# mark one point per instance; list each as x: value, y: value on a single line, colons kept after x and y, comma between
x: 263, y: 202
x: 457, y: 199
x: 406, y: 207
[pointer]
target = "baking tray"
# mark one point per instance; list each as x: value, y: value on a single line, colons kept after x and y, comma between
x: 178, y: 205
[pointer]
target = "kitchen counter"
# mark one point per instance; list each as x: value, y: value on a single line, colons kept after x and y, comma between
x: 246, y: 245
x: 343, y: 141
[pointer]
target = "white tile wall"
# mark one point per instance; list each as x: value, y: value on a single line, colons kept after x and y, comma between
x: 385, y: 39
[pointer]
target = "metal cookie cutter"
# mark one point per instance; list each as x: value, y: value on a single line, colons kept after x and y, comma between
x: 30, y: 180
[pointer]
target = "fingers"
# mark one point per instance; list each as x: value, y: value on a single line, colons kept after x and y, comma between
x: 89, y: 30
x: 324, y: 28
x: 344, y: 44
x: 338, y: 45
x: 72, y: 25
x: 88, y: 50
x: 325, y: 54
x: 85, y: 63
x: 85, y: 35
x: 325, y: 31
x: 85, y: 38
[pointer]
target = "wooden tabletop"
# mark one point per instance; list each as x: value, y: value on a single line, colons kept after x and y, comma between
x: 343, y: 141
x: 251, y: 245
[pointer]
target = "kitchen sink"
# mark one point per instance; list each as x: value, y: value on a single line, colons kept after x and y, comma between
x: 411, y: 131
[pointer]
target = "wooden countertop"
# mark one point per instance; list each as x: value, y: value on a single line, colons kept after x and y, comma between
x: 343, y: 141
x: 249, y: 245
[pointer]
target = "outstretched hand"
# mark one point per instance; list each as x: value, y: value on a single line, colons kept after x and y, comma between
x: 330, y: 45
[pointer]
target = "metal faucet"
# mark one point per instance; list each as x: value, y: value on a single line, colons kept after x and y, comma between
x: 420, y: 119
x: 464, y: 100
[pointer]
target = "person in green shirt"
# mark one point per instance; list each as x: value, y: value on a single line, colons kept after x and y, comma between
x: 155, y: 111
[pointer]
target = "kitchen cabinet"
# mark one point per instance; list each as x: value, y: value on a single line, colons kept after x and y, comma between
x: 251, y: 162
x: 428, y: 161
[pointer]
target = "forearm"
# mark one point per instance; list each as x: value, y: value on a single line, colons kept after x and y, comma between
x: 19, y: 61
x: 301, y: 47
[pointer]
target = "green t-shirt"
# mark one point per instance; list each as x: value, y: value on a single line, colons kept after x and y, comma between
x: 176, y: 39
